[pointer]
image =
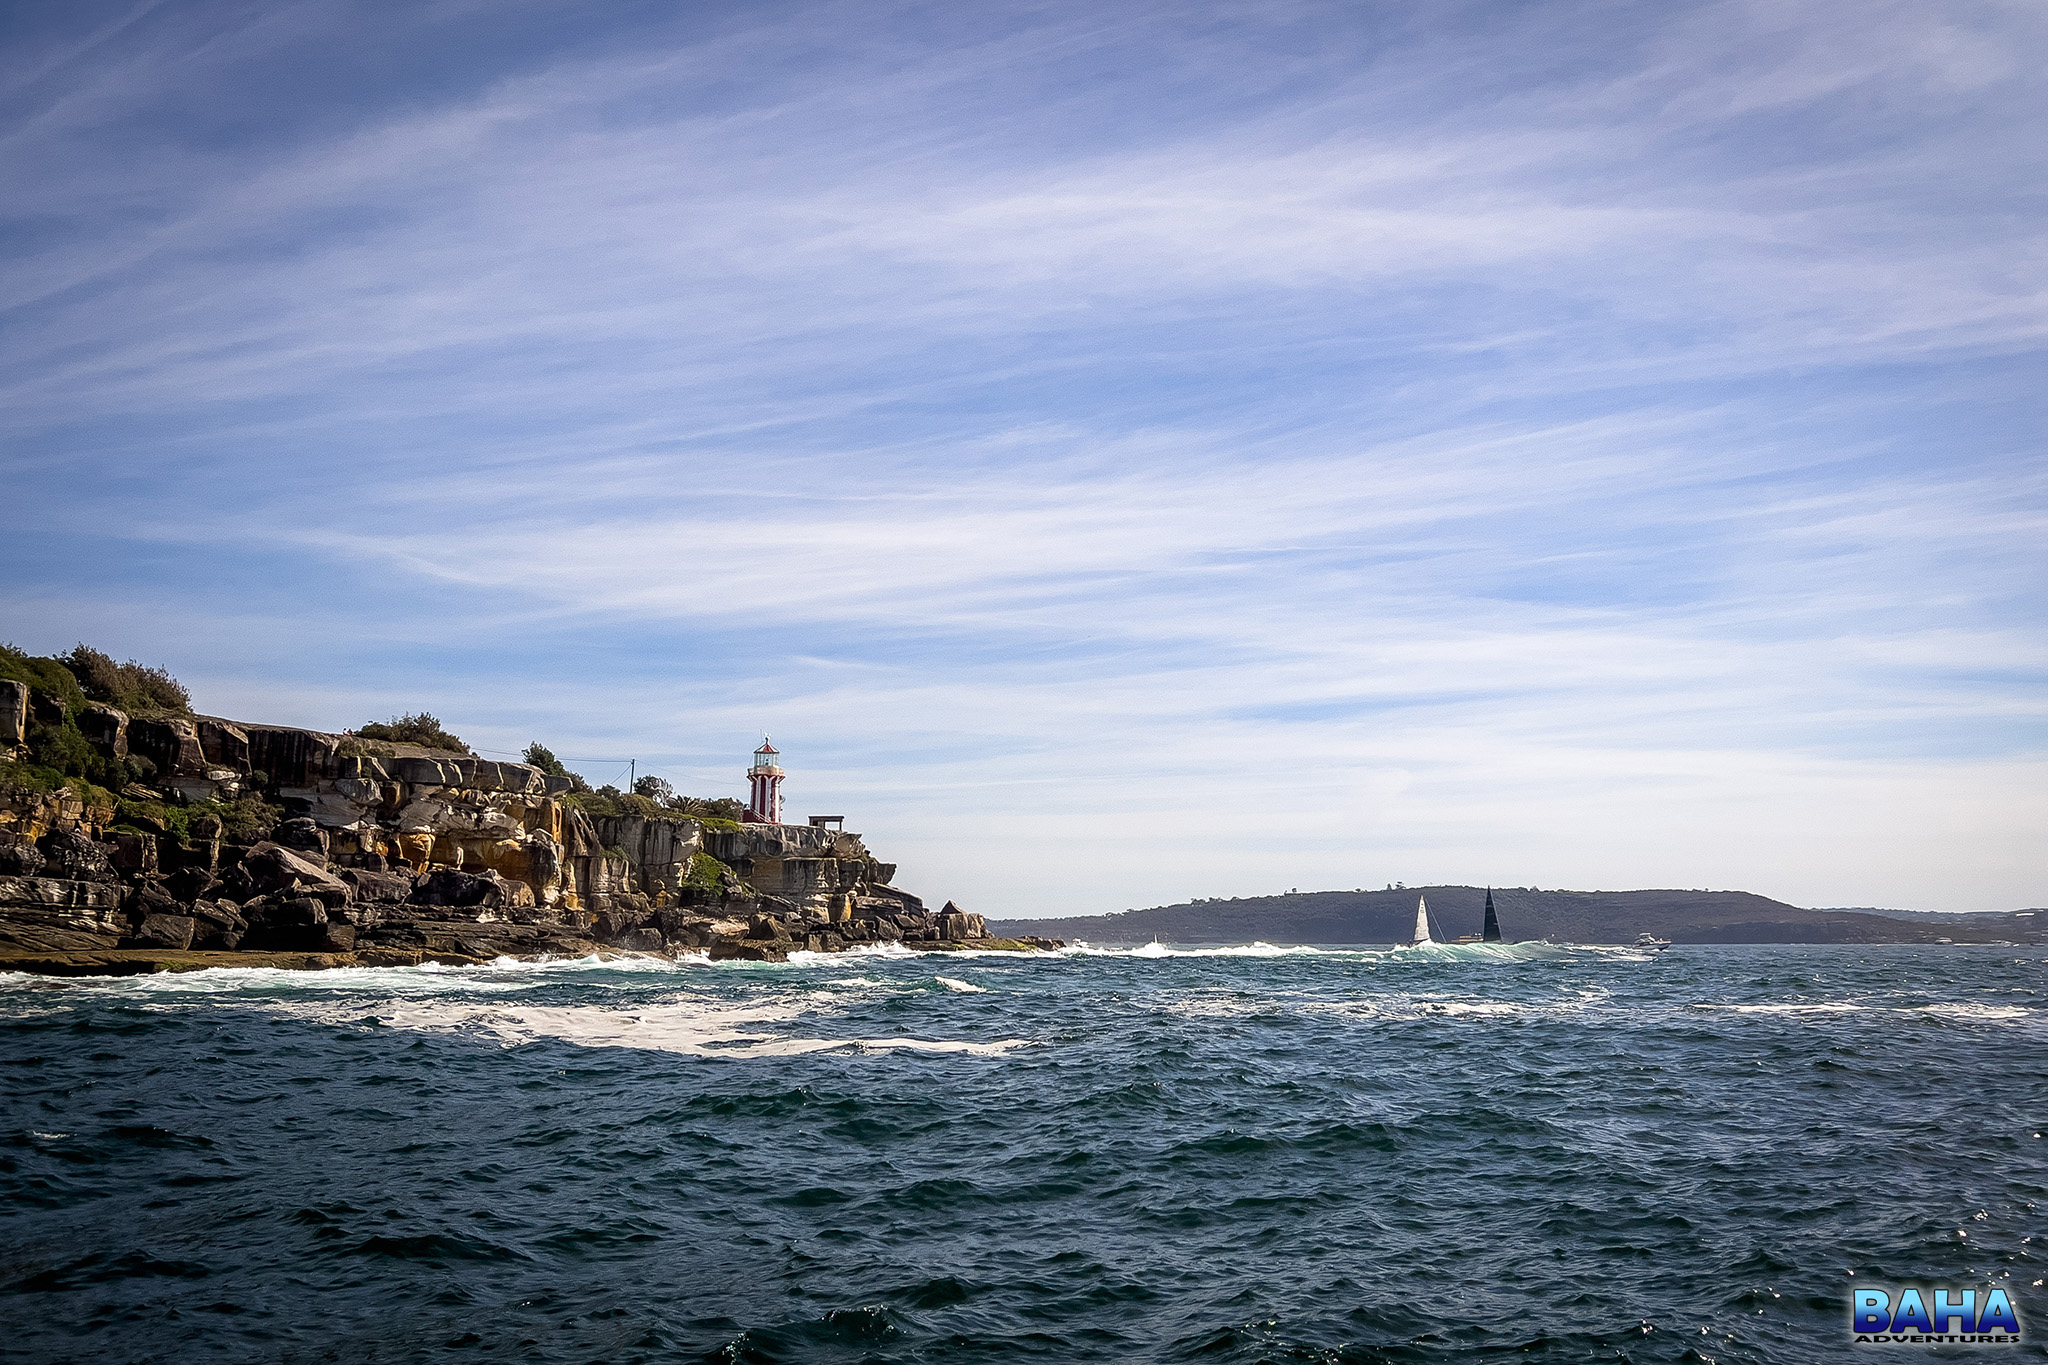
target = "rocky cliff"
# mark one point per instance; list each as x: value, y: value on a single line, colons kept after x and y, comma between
x: 387, y: 854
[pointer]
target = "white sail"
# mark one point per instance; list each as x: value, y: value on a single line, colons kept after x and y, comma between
x: 1422, y: 921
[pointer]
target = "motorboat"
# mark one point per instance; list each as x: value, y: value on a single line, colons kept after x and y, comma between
x: 1651, y: 943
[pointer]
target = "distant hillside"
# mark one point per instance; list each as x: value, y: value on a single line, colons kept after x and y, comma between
x: 1562, y: 916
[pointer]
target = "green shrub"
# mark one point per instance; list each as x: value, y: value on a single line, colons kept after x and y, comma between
x: 356, y: 747
x: 540, y: 756
x: 47, y: 676
x: 29, y: 777
x: 421, y: 729
x: 246, y: 819
x: 708, y: 874
x: 34, y: 777
x: 132, y: 687
x: 609, y: 801
x: 62, y: 747
x: 596, y: 804
x: 722, y: 809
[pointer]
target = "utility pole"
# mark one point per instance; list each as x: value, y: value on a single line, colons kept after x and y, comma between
x: 632, y: 773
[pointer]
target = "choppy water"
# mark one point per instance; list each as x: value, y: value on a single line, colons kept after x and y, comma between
x: 1245, y: 1155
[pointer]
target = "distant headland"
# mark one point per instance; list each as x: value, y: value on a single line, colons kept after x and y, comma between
x: 1527, y: 913
x: 137, y: 835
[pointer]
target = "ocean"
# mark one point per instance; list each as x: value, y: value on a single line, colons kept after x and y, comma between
x: 1243, y: 1154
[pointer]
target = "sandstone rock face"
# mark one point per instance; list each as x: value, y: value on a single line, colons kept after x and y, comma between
x: 393, y: 854
x: 31, y: 817
x: 106, y: 729
x: 51, y: 914
x: 172, y: 743
x: 134, y: 854
x: 165, y: 931
x: 224, y: 744
x: 658, y: 852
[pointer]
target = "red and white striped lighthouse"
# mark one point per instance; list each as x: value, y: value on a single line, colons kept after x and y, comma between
x: 764, y: 799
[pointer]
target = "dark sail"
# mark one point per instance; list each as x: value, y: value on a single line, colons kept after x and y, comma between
x: 1491, y: 933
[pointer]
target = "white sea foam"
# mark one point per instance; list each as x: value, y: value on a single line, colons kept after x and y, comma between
x: 689, y: 1028
x: 1810, y: 1007
x: 1161, y: 950
x: 1963, y: 1010
x: 964, y: 987
x: 1991, y: 1014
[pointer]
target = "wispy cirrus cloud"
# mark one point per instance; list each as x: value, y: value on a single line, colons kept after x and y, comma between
x: 1563, y: 445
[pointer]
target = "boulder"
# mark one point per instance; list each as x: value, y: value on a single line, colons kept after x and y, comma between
x: 337, y: 938
x: 134, y: 854
x: 304, y: 835
x: 642, y: 940
x: 217, y: 924
x: 682, y: 926
x: 471, y: 890
x: 285, y: 922
x: 383, y: 888
x: 165, y: 931
x: 192, y: 882
x: 616, y: 921
x: 271, y: 869
x: 302, y: 912
x: 749, y: 950
x: 20, y: 860
x: 198, y: 856
x: 74, y: 857
x: 151, y: 897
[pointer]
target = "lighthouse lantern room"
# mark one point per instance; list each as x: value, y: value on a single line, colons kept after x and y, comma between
x: 764, y: 779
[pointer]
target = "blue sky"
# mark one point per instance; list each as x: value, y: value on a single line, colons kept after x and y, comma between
x: 1121, y: 453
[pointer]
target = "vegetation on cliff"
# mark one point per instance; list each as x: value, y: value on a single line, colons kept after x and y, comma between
x: 421, y: 729
x: 651, y: 799
x: 58, y: 753
x: 138, y: 689
x: 47, y: 676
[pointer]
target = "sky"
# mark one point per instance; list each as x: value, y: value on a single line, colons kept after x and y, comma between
x: 1120, y: 453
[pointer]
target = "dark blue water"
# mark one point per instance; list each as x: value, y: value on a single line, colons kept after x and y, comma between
x: 1537, y: 1154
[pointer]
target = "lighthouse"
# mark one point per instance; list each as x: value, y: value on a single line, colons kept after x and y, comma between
x: 764, y: 779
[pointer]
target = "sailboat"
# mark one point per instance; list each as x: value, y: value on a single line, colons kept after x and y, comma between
x: 1421, y: 924
x: 1491, y: 932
